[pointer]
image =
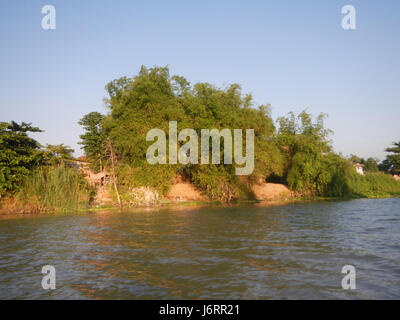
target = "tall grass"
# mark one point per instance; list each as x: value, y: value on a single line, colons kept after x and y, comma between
x: 54, y: 189
x: 373, y: 185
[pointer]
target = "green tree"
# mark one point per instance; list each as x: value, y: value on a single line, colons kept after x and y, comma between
x: 371, y: 165
x: 19, y: 154
x: 355, y: 159
x: 58, y: 154
x: 384, y: 166
x: 392, y: 161
x: 153, y: 98
x: 306, y: 145
x: 93, y: 140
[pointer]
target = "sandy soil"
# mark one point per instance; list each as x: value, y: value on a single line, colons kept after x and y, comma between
x: 184, y: 191
x: 270, y: 191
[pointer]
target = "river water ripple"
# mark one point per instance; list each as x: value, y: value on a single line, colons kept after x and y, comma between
x: 294, y: 251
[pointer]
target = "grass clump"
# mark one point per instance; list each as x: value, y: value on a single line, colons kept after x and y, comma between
x: 52, y: 189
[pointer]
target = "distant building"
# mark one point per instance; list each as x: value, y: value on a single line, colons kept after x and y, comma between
x: 359, y: 168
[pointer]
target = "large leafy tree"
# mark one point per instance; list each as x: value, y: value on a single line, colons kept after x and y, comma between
x: 93, y: 140
x: 153, y: 98
x: 19, y: 154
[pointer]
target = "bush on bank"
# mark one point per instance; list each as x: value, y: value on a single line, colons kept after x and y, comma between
x: 373, y: 185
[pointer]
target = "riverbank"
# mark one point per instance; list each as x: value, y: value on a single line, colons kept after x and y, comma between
x: 176, y: 205
x: 6, y: 213
x: 38, y: 196
x: 182, y: 193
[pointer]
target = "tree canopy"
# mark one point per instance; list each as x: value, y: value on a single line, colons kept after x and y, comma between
x: 392, y: 161
x: 152, y: 99
x: 58, y: 154
x: 93, y: 140
x: 19, y: 154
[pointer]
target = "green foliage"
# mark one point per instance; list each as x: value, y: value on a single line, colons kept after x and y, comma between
x: 54, y: 189
x: 57, y: 154
x: 219, y: 182
x: 299, y: 154
x: 332, y: 180
x: 371, y: 165
x: 93, y: 140
x: 392, y: 161
x: 300, y: 134
x: 303, y: 173
x: 355, y: 159
x: 312, y: 168
x: 307, y: 152
x: 153, y: 98
x: 29, y: 173
x: 372, y: 185
x: 158, y: 177
x: 19, y: 154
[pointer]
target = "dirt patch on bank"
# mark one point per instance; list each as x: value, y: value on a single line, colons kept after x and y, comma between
x: 264, y: 191
x: 270, y: 191
x: 184, y: 191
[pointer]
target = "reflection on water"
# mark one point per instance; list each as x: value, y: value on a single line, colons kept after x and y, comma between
x: 243, y: 252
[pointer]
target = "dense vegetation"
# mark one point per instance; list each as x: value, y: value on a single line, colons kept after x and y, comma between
x: 153, y: 98
x: 35, y: 178
x: 51, y: 189
x: 392, y: 161
x: 297, y: 152
x: 19, y: 154
x: 373, y: 185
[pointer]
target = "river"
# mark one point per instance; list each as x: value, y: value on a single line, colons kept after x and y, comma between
x: 294, y: 251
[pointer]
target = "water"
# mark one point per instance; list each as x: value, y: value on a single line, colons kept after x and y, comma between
x: 295, y: 251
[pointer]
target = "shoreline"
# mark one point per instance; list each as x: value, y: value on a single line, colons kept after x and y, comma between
x: 181, y: 206
x: 176, y: 205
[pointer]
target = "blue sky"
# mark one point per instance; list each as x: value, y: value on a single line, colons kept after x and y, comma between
x: 291, y: 54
